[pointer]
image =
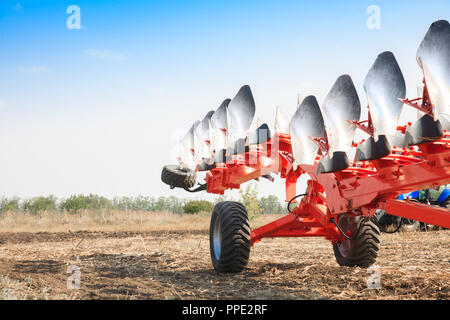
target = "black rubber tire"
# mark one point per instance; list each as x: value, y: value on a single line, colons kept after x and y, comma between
x: 362, y: 251
x: 386, y: 222
x: 230, y: 249
x: 410, y: 226
x: 176, y: 177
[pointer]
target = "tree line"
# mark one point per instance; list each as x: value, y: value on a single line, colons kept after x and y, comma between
x: 75, y: 203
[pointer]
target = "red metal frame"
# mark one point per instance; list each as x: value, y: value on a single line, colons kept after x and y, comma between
x: 359, y: 190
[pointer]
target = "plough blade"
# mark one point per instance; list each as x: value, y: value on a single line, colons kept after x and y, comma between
x: 397, y: 141
x: 281, y: 122
x: 205, y: 127
x: 219, y: 118
x: 306, y: 124
x: 433, y: 57
x: 384, y: 86
x: 372, y: 149
x: 424, y: 130
x: 241, y: 111
x: 341, y: 106
x: 261, y: 135
x: 203, y: 138
x: 219, y: 126
x: 188, y: 144
x: 201, y: 148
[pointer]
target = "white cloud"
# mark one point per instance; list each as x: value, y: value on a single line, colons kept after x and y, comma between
x: 2, y: 104
x: 105, y: 54
x: 33, y: 69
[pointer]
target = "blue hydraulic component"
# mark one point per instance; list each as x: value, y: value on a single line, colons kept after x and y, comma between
x: 411, y: 195
x: 444, y: 195
x: 415, y: 195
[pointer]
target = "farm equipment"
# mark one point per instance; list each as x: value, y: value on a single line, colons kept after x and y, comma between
x: 342, y: 195
x: 434, y: 197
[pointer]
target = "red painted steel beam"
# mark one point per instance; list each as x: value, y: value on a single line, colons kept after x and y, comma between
x: 307, y: 220
x: 300, y: 232
x: 345, y: 194
x: 259, y: 233
x: 419, y: 211
x: 366, y: 187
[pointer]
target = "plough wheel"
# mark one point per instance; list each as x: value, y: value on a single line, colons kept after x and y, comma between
x: 229, y: 237
x: 362, y: 250
x: 176, y: 177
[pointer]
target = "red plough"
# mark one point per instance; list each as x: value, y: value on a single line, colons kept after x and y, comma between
x: 342, y: 195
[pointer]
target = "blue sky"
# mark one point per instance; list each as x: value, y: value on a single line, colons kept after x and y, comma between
x: 98, y: 109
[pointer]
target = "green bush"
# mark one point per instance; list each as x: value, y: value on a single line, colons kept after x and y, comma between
x: 197, y: 206
x: 81, y: 202
x: 39, y: 204
x: 271, y: 205
x: 10, y: 204
x: 249, y: 198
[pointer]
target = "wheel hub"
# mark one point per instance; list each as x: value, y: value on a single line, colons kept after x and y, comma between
x: 217, y: 238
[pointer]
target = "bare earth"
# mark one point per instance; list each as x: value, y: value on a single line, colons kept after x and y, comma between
x: 176, y: 265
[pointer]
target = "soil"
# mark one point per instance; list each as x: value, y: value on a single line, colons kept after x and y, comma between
x: 176, y: 265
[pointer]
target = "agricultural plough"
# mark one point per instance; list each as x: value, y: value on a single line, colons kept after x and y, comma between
x: 348, y: 180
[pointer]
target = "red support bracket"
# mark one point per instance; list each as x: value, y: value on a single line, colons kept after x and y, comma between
x: 369, y: 129
x: 322, y: 143
x: 425, y: 106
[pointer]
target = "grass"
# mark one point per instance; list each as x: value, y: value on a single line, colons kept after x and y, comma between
x: 110, y: 220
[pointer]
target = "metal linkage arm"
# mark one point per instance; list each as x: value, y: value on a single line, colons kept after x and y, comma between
x: 420, y: 212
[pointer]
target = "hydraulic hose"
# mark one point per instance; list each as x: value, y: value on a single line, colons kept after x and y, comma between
x: 343, y: 233
x: 290, y: 201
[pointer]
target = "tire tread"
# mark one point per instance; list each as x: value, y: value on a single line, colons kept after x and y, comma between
x: 236, y: 243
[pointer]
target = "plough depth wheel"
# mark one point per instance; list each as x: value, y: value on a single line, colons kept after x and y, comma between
x: 176, y: 177
x: 229, y: 237
x: 362, y: 249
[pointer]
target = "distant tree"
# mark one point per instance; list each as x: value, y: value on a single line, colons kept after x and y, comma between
x: 122, y: 203
x: 161, y: 204
x: 10, y: 204
x: 81, y: 202
x: 197, y: 206
x: 142, y: 203
x: 175, y: 204
x: 249, y: 198
x: 271, y: 205
x: 38, y: 204
x: 139, y: 203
